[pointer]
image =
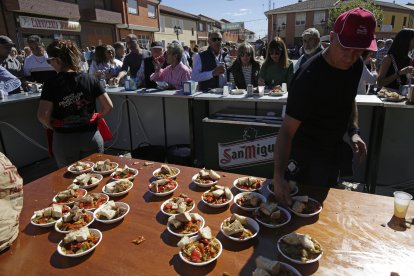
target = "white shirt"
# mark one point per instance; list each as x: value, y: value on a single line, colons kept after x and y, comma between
x: 34, y: 63
x: 367, y: 77
x: 197, y: 75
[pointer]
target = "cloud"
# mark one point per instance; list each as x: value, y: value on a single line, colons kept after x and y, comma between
x: 239, y: 12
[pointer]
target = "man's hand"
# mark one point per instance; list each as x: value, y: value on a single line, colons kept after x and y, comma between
x: 282, y: 192
x: 114, y: 81
x: 261, y: 82
x: 219, y: 70
x: 359, y: 147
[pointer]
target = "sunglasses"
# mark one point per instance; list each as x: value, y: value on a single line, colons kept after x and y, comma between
x: 275, y: 53
x: 245, y: 54
x: 49, y: 60
x: 215, y: 39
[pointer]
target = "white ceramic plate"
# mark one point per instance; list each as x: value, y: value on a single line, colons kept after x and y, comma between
x: 94, y: 184
x: 65, y: 232
x: 109, y: 221
x: 286, y: 212
x: 165, y: 193
x: 294, y: 260
x: 71, y: 202
x: 216, y: 90
x: 169, y: 200
x: 120, y: 193
x: 91, y: 209
x: 202, y: 184
x: 70, y: 168
x: 155, y: 173
x: 115, y: 166
x: 290, y: 268
x: 112, y: 85
x: 235, y: 182
x: 276, y: 94
x: 236, y: 197
x: 217, y: 205
x: 306, y: 215
x: 294, y: 192
x: 191, y: 234
x: 132, y: 170
x: 192, y: 239
x: 251, y: 222
x: 238, y: 91
x: 96, y: 232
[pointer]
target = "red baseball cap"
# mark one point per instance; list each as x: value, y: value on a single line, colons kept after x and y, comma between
x: 356, y: 29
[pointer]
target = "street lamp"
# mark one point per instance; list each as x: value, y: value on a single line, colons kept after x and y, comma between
x: 177, y: 30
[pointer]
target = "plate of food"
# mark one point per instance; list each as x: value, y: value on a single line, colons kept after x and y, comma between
x: 88, y: 180
x: 304, y: 206
x: 105, y: 167
x: 239, y: 228
x: 81, y: 167
x: 249, y: 201
x: 238, y: 91
x: 390, y: 96
x: 92, y: 201
x: 47, y: 217
x: 271, y: 215
x: 265, y: 266
x: 294, y: 189
x: 248, y: 184
x: 162, y: 85
x: 217, y: 196
x: 124, y: 173
x: 69, y: 197
x: 163, y: 187
x: 118, y: 187
x: 166, y: 172
x: 277, y: 91
x: 112, y: 85
x: 216, y: 90
x: 200, y: 250
x: 79, y: 243
x: 177, y: 205
x: 111, y: 212
x: 74, y: 220
x: 206, y: 178
x: 299, y: 248
x: 185, y: 224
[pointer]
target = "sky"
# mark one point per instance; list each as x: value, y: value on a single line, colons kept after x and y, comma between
x: 249, y: 11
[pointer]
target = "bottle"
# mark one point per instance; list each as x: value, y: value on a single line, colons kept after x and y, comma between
x: 127, y: 84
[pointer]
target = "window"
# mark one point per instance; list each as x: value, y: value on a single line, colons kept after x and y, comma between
x: 143, y: 41
x: 300, y: 19
x: 181, y: 25
x: 133, y: 6
x: 208, y: 28
x: 162, y: 23
x: 173, y: 23
x: 319, y: 18
x: 405, y: 21
x: 393, y: 20
x: 152, y: 12
x: 280, y: 20
x: 192, y: 31
x: 200, y: 27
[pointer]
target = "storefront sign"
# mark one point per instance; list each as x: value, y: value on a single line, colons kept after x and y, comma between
x: 48, y: 24
x: 251, y: 150
x: 232, y: 26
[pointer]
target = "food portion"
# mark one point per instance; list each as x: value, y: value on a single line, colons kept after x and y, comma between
x: 86, y: 179
x: 267, y: 267
x: 269, y: 213
x: 109, y: 211
x: 237, y: 227
x: 118, y: 186
x: 104, y: 166
x: 185, y: 224
x: 207, y: 177
x: 79, y: 241
x: 390, y: 95
x: 124, y: 173
x: 292, y: 185
x: 50, y: 214
x: 204, y: 249
x: 178, y: 204
x: 163, y: 185
x: 300, y: 247
x: 92, y: 201
x: 305, y: 205
x: 69, y: 196
x: 80, y: 166
x: 249, y: 200
x: 74, y: 220
x: 217, y: 195
x: 249, y: 183
x: 166, y: 171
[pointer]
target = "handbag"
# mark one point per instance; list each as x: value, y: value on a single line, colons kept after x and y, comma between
x: 102, y: 127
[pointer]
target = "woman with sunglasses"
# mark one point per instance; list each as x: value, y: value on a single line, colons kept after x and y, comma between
x: 277, y: 68
x: 105, y: 66
x: 68, y: 104
x: 245, y: 69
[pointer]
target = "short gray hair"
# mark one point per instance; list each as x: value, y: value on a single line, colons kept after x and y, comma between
x: 311, y: 31
x: 214, y: 32
x: 176, y: 49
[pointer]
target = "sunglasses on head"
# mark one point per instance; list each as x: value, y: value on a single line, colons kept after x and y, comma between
x: 245, y: 54
x: 49, y: 60
x: 215, y: 39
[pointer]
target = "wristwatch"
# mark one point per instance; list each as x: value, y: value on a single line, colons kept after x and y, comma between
x: 353, y: 131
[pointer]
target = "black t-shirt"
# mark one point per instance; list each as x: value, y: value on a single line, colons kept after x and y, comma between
x: 321, y: 98
x: 73, y: 96
x: 132, y: 61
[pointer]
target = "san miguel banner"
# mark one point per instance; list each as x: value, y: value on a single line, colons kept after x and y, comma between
x: 250, y: 151
x: 48, y: 24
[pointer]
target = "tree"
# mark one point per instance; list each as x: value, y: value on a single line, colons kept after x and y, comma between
x: 344, y: 6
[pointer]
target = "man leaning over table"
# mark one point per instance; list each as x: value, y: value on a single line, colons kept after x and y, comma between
x: 321, y: 108
x: 209, y: 67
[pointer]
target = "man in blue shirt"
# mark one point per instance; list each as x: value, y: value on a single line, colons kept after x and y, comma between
x: 8, y: 82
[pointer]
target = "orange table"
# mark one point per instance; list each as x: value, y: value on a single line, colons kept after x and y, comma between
x: 352, y: 229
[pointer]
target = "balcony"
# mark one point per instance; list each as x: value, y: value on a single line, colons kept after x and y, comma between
x: 101, y: 16
x: 44, y: 7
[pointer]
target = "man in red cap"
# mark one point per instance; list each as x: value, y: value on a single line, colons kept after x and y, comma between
x: 321, y: 108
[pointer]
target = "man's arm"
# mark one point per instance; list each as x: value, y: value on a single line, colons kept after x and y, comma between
x: 282, y: 153
x: 358, y: 145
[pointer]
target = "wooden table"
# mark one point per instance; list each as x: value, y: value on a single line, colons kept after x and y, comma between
x: 352, y: 229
